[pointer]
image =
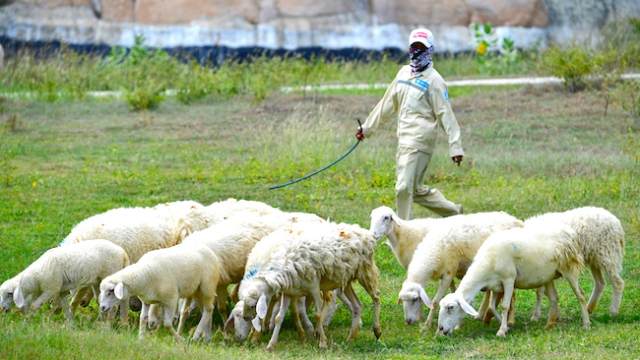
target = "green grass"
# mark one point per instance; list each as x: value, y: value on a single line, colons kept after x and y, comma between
x: 528, y: 149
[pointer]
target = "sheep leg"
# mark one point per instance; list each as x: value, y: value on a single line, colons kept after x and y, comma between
x: 221, y: 299
x: 536, y: 312
x: 168, y: 318
x: 298, y: 311
x: 447, y: 280
x: 616, y: 292
x: 355, y: 309
x: 37, y: 303
x: 184, y: 313
x: 552, y: 295
x: 144, y: 319
x: 370, y: 284
x: 493, y: 304
x: 284, y: 304
x: 124, y: 310
x: 573, y: 281
x: 511, y: 320
x: 304, y: 318
x: 483, y: 312
x: 598, y: 287
x: 206, y: 321
x: 506, y: 304
x: 318, y: 299
x: 64, y: 299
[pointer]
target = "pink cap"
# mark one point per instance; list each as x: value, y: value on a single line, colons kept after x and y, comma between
x: 421, y: 35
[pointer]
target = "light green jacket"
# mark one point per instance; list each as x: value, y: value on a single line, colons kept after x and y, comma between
x: 422, y: 103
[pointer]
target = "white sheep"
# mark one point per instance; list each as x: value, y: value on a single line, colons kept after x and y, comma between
x: 523, y: 258
x: 69, y: 268
x: 446, y: 252
x: 601, y: 243
x: 314, y: 260
x: 164, y: 276
x: 232, y: 240
x: 258, y: 258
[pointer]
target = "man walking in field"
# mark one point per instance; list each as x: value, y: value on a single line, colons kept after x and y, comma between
x: 419, y: 95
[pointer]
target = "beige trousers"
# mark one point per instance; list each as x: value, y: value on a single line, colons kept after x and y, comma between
x: 411, y: 168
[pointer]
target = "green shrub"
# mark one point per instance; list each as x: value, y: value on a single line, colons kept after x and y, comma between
x: 572, y: 64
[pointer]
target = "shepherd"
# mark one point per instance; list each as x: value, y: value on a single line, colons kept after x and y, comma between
x: 420, y: 97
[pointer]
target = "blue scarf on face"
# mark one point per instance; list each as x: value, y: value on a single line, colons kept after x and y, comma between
x: 420, y: 59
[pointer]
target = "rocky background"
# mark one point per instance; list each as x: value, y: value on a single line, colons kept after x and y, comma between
x: 299, y: 24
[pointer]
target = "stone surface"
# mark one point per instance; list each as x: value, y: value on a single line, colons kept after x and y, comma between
x: 293, y: 24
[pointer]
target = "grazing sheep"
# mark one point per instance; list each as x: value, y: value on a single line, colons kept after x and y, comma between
x: 163, y: 277
x: 445, y: 253
x: 314, y: 260
x: 232, y: 240
x: 71, y: 267
x: 522, y: 258
x: 601, y: 243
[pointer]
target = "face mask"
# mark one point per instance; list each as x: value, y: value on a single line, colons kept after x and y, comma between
x: 420, y: 59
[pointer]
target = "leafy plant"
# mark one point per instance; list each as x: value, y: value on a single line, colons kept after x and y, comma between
x: 493, y: 55
x: 572, y: 64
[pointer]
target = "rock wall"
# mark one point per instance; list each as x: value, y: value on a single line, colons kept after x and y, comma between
x: 298, y: 24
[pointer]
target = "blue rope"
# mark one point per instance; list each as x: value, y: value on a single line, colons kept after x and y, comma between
x: 323, y: 169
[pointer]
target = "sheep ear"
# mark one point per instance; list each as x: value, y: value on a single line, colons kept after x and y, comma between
x: 399, y: 301
x: 256, y: 324
x: 466, y: 307
x: 425, y: 298
x: 119, y: 291
x: 18, y: 297
x: 230, y: 322
x: 393, y: 218
x: 262, y: 306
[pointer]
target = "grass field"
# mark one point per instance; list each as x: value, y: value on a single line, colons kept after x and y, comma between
x: 529, y: 150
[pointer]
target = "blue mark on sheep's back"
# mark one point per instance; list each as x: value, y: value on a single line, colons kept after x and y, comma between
x: 252, y: 272
x: 514, y: 246
x: 63, y: 242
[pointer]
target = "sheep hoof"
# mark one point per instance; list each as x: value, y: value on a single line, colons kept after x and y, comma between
x: 377, y: 332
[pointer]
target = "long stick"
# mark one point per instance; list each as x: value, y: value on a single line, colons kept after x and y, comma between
x: 323, y: 169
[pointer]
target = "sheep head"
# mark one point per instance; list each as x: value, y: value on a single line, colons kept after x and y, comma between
x: 236, y: 320
x: 383, y: 219
x: 453, y: 308
x: 6, y: 295
x: 111, y: 293
x: 412, y: 296
x: 256, y: 295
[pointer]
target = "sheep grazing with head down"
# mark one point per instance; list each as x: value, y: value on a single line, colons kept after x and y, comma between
x: 313, y: 261
x: 163, y: 277
x: 67, y: 268
x: 522, y: 258
x: 446, y: 252
x: 232, y: 240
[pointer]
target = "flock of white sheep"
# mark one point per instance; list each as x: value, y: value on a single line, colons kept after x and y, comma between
x: 178, y: 257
